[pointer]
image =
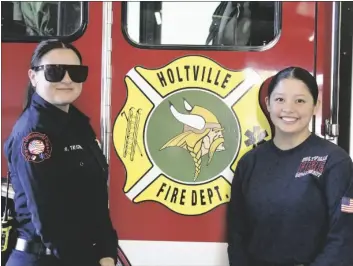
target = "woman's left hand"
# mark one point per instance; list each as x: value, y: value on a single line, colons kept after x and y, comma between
x: 107, y: 262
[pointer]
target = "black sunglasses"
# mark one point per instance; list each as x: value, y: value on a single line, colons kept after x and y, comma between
x: 56, y: 73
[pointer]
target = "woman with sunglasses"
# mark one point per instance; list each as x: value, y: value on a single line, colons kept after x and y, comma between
x: 57, y: 169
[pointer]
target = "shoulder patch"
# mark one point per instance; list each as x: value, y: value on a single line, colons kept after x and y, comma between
x: 36, y: 147
x: 347, y: 205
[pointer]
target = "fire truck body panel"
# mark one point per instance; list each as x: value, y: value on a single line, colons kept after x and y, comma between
x: 127, y: 76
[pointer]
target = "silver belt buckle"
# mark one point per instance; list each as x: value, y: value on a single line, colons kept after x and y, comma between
x: 44, y: 250
x: 48, y: 252
x: 20, y: 244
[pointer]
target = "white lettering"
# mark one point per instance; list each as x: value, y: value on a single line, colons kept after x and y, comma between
x: 73, y: 148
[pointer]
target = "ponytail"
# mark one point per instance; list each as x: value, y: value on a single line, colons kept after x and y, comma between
x: 28, y: 97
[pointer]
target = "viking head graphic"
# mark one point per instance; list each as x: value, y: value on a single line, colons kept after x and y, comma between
x: 202, y: 134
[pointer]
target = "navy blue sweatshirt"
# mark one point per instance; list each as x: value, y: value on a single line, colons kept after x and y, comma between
x: 59, y: 176
x: 292, y: 206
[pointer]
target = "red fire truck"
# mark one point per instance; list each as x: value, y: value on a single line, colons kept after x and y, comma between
x: 155, y: 68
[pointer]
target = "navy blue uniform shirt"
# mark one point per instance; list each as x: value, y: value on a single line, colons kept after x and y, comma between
x: 59, y: 176
x: 292, y: 206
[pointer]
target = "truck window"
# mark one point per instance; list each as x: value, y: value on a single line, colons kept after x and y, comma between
x: 34, y: 21
x: 232, y: 25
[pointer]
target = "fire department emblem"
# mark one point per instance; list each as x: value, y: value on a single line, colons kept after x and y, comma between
x: 183, y: 129
x: 36, y: 147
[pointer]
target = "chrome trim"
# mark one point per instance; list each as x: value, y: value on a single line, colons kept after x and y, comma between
x: 351, y: 122
x: 4, y: 190
x: 262, y: 48
x: 332, y: 126
x: 106, y: 78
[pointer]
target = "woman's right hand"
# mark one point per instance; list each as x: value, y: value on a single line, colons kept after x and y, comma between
x: 106, y: 262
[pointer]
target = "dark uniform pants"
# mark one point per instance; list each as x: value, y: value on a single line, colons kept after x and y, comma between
x: 21, y: 258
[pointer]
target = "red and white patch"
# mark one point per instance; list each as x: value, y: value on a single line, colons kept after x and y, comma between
x: 314, y: 165
x: 36, y: 147
x: 347, y: 205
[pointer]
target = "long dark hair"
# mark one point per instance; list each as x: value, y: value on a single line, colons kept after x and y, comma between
x: 43, y: 48
x: 296, y: 73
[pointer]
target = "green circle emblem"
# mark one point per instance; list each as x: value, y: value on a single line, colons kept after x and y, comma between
x: 192, y: 136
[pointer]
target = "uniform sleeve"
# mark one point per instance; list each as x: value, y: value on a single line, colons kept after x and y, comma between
x: 236, y: 221
x: 107, y: 242
x: 38, y: 178
x: 338, y: 187
x: 106, y: 236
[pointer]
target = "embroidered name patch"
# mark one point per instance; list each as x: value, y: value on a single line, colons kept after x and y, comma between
x: 347, y: 205
x: 311, y: 165
x: 36, y: 147
x: 73, y: 148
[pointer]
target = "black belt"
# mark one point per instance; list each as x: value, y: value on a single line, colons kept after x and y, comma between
x: 264, y: 263
x: 279, y: 264
x: 276, y: 264
x: 32, y: 247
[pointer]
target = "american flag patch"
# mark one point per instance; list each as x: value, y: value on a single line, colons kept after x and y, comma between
x: 36, y: 147
x: 347, y: 205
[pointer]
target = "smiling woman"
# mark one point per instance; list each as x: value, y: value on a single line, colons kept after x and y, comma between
x: 291, y: 197
x: 57, y: 75
x: 291, y: 102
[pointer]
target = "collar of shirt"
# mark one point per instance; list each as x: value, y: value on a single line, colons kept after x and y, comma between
x: 58, y: 118
x: 283, y: 153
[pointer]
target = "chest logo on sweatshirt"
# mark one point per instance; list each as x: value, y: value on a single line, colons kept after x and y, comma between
x: 36, y: 147
x: 182, y: 131
x: 313, y: 165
